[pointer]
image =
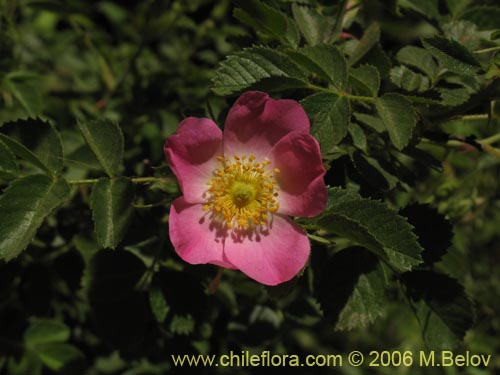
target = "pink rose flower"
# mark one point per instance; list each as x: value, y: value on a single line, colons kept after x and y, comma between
x: 240, y: 186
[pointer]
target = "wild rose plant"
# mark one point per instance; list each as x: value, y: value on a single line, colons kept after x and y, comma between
x: 241, y: 186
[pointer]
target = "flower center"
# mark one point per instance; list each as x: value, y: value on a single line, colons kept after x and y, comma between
x: 242, y: 192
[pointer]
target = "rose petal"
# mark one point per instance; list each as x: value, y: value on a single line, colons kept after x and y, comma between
x: 302, y: 190
x: 192, y: 154
x: 270, y: 258
x: 195, y: 238
x: 256, y: 122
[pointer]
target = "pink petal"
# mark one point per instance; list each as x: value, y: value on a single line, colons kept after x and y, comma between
x: 270, y: 258
x: 302, y: 191
x: 192, y: 154
x: 256, y: 122
x: 195, y: 238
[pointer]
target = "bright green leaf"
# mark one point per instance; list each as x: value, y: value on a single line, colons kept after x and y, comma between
x: 105, y: 138
x: 399, y: 118
x: 452, y: 55
x: 182, y: 325
x: 326, y: 61
x: 408, y: 80
x: 373, y: 225
x: 112, y: 209
x: 24, y: 205
x: 245, y: 69
x: 419, y: 58
x: 330, y: 116
x: 36, y: 141
x: 445, y: 313
x: 45, y: 331
x: 8, y: 164
x: 365, y: 80
x: 368, y: 41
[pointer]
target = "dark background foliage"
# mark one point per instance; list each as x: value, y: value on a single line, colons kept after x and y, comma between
x: 403, y: 98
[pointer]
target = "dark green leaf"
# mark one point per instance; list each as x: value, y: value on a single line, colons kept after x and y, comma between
x: 428, y: 8
x: 8, y: 164
x: 444, y: 313
x: 485, y: 17
x: 112, y: 209
x: 378, y: 58
x: 452, y: 55
x: 358, y: 136
x: 326, y: 61
x: 373, y: 225
x: 433, y: 230
x: 311, y: 24
x: 330, y: 116
x: 351, y: 288
x: 399, y: 118
x: 373, y: 172
x: 266, y: 19
x: 25, y: 88
x: 368, y: 41
x: 241, y: 71
x: 408, y: 80
x: 373, y: 122
x: 418, y: 58
x: 58, y: 356
x: 159, y: 305
x: 453, y: 97
x: 105, y: 139
x: 45, y: 331
x: 365, y: 80
x: 37, y: 142
x: 24, y: 206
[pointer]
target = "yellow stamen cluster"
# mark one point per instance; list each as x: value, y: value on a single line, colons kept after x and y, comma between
x: 242, y: 192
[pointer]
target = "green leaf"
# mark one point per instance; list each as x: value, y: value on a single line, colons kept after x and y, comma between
x: 428, y: 8
x: 365, y: 80
x: 36, y: 141
x: 464, y: 32
x: 372, y: 122
x: 326, y: 61
x: 159, y: 305
x: 419, y: 58
x: 330, y: 116
x: 373, y: 225
x: 453, y: 97
x: 268, y: 20
x: 311, y: 24
x: 373, y: 172
x: 398, y: 116
x: 8, y: 164
x: 408, y: 80
x: 452, y: 55
x: 352, y: 288
x: 358, y: 136
x: 44, y: 331
x: 243, y: 70
x: 182, y: 325
x: 58, y: 356
x: 368, y: 41
x: 112, y: 209
x: 24, y: 86
x: 24, y: 205
x: 434, y: 231
x: 445, y: 313
x: 105, y: 139
x: 485, y: 17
